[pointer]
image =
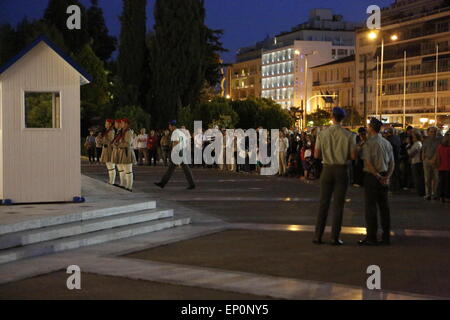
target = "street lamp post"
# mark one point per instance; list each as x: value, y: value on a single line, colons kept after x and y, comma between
x: 381, y: 78
x: 436, y: 85
x: 305, y: 103
x: 404, y: 89
x: 372, y: 36
x: 365, y: 89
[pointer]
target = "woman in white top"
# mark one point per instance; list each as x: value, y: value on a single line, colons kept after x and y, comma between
x: 414, y: 150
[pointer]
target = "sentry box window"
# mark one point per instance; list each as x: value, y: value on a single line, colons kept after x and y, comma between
x: 42, y: 110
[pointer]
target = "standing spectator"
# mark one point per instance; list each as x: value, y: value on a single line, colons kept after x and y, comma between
x: 292, y: 165
x: 396, y: 144
x: 415, y: 155
x: 405, y: 165
x: 99, y: 146
x: 306, y: 155
x: 165, y: 147
x: 335, y: 146
x: 90, y: 146
x: 358, y: 174
x: 142, y: 147
x: 152, y: 146
x: 431, y: 172
x: 135, y: 144
x: 378, y: 166
x: 284, y: 146
x: 443, y: 163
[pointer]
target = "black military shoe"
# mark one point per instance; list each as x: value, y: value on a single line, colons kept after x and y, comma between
x: 159, y: 184
x: 367, y: 242
x: 317, y: 241
x: 337, y: 242
x: 191, y: 187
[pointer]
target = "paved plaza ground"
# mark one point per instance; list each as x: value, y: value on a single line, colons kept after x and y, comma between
x: 99, y: 287
x: 250, y: 238
x: 251, y: 198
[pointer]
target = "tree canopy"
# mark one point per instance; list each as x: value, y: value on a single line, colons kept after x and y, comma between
x: 183, y: 57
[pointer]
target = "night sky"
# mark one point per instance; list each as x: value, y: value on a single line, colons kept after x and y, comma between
x: 245, y: 21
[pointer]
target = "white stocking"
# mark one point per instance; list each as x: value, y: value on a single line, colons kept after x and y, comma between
x: 129, y: 176
x: 112, y: 172
x: 121, y: 169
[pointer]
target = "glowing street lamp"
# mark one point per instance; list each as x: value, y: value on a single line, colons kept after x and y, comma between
x: 394, y: 37
x: 424, y: 120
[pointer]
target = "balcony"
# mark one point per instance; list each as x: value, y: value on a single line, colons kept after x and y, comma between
x: 346, y: 79
x: 424, y: 69
x: 414, y: 110
x: 416, y: 90
x: 413, y: 50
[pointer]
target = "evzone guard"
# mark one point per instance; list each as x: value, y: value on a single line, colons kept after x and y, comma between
x: 123, y: 155
x: 115, y: 152
x: 108, y: 136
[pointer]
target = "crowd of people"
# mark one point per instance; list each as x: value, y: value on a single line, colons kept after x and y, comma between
x: 422, y: 157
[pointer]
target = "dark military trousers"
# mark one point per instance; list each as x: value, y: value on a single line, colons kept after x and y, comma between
x: 170, y: 170
x: 333, y: 184
x: 376, y: 197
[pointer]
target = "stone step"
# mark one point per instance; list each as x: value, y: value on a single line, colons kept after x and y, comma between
x: 81, y: 215
x: 89, y: 239
x: 28, y: 237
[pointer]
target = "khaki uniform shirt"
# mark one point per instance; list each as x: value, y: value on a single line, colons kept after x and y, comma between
x: 336, y: 145
x: 379, y: 152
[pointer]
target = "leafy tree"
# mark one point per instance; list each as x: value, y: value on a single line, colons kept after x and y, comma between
x: 102, y: 43
x: 55, y: 15
x: 183, y: 56
x: 273, y: 116
x: 213, y: 74
x: 353, y: 117
x: 249, y: 112
x: 132, y: 60
x: 319, y: 118
x: 7, y: 43
x: 138, y: 117
x: 257, y: 112
x: 94, y: 96
x: 15, y: 40
x: 216, y: 112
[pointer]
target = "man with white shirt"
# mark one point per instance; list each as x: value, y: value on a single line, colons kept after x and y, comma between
x: 178, y: 138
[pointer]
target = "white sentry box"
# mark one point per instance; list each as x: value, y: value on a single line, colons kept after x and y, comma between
x: 40, y: 125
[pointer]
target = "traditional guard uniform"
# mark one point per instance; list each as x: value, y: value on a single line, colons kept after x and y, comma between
x: 107, y: 140
x: 126, y: 157
x: 115, y: 155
